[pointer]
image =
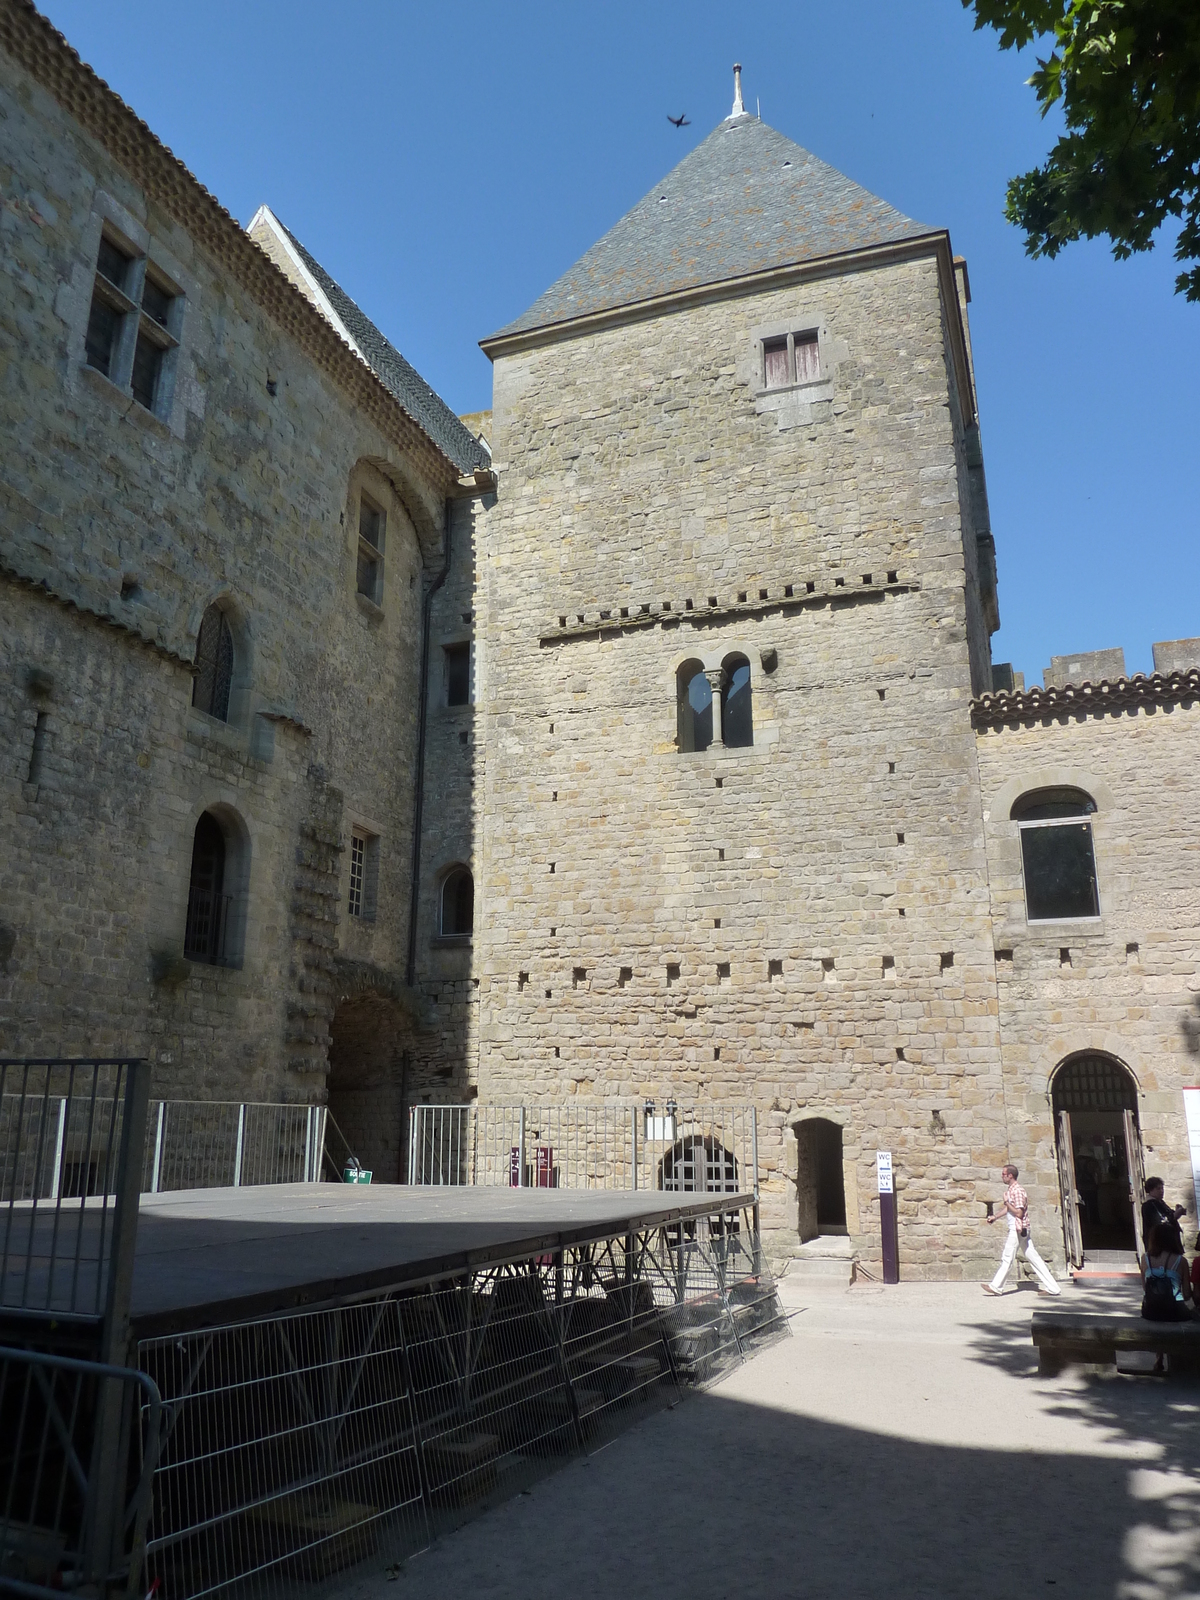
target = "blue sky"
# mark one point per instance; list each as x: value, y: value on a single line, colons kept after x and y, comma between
x: 445, y: 163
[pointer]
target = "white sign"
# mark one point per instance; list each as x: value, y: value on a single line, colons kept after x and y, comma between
x: 1191, y: 1110
x: 883, y: 1169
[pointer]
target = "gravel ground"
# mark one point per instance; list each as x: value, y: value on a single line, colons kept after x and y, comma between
x: 900, y: 1442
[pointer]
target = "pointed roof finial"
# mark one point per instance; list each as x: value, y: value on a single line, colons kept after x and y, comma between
x: 739, y: 109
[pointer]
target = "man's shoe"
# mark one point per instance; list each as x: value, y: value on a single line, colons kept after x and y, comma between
x: 987, y: 1289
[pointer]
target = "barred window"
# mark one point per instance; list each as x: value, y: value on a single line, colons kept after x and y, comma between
x: 457, y: 918
x: 207, y: 934
x: 214, y: 665
x: 1057, y: 855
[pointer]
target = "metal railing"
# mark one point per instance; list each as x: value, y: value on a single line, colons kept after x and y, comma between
x: 700, y: 1148
x: 74, y: 1495
x: 71, y: 1139
x: 301, y: 1445
x: 209, y: 1144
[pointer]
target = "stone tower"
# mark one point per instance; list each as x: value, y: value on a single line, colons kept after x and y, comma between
x: 735, y: 600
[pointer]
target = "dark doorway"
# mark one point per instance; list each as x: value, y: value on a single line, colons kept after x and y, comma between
x: 368, y: 1052
x: 820, y: 1185
x: 1095, y: 1115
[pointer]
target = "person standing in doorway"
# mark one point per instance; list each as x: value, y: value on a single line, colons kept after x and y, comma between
x: 1155, y: 1210
x: 1016, y: 1209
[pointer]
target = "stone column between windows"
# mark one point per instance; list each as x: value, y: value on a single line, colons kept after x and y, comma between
x: 718, y: 678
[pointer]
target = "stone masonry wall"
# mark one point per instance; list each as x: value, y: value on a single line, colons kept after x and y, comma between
x: 245, y: 490
x: 804, y: 924
x: 1127, y: 984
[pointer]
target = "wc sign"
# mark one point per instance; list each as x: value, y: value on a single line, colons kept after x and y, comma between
x: 889, y: 1236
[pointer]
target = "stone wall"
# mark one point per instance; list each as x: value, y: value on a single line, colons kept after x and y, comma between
x: 802, y: 924
x: 118, y: 528
x: 1127, y: 984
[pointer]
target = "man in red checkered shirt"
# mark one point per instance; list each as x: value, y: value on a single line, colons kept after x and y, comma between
x: 1016, y: 1209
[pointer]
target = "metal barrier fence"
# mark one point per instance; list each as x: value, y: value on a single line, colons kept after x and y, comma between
x: 700, y: 1148
x: 71, y: 1137
x: 206, y: 1144
x: 75, y: 1473
x: 297, y: 1446
x: 61, y: 1146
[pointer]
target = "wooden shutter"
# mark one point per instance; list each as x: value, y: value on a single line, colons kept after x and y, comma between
x: 775, y: 363
x: 808, y: 363
x: 1136, y: 1167
x: 1072, y: 1237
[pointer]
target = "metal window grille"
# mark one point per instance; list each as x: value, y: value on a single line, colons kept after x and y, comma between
x: 702, y: 1148
x: 358, y: 856
x: 214, y: 665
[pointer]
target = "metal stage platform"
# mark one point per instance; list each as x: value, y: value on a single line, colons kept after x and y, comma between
x: 239, y: 1390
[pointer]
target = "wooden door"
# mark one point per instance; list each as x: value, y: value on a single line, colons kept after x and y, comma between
x: 1072, y: 1237
x: 1136, y: 1167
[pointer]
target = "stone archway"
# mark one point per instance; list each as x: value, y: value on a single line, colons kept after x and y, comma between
x: 370, y: 1047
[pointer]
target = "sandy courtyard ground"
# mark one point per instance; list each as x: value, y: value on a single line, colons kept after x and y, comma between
x: 900, y: 1443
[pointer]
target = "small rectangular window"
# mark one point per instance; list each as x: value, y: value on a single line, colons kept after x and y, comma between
x: 364, y: 874
x: 372, y: 521
x: 458, y: 674
x: 808, y: 364
x: 113, y: 263
x: 103, y: 334
x: 775, y: 363
x: 147, y: 364
x: 1060, y: 871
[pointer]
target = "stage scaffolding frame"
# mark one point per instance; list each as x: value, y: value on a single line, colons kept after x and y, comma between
x: 296, y: 1446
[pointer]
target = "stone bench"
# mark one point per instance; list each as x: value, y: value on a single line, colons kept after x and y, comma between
x: 1093, y: 1338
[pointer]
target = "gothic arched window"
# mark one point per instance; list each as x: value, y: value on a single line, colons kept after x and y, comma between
x: 695, y: 709
x: 208, y: 904
x: 214, y: 665
x: 458, y: 905
x: 737, y: 720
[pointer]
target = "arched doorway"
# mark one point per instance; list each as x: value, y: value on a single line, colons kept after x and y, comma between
x: 820, y: 1180
x: 368, y: 1069
x: 1099, y: 1157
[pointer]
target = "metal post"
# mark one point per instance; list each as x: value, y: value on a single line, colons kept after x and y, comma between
x: 56, y: 1178
x: 308, y: 1139
x: 633, y: 1126
x: 319, y: 1152
x: 156, y: 1175
x: 887, y: 1217
x: 521, y: 1151
x: 412, y: 1144
x: 241, y: 1135
x: 757, y: 1220
x: 106, y: 1481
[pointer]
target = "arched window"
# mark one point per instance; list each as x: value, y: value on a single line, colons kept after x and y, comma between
x: 458, y: 904
x: 695, y: 709
x: 214, y: 665
x: 1057, y: 854
x: 207, y: 932
x: 737, y: 720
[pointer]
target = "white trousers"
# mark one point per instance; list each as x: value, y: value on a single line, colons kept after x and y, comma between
x: 1044, y: 1276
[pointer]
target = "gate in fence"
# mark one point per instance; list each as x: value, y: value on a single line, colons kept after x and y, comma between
x: 701, y: 1148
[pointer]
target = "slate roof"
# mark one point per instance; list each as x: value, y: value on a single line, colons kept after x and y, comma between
x: 398, y: 376
x: 745, y: 200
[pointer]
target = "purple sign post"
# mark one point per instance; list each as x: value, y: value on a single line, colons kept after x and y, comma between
x: 887, y: 1217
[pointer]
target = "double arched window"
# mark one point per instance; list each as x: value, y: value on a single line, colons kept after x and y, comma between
x: 456, y: 911
x: 714, y: 705
x: 1058, y: 856
x: 214, y: 665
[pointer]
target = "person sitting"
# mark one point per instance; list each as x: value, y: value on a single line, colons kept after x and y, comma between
x: 1168, y: 1288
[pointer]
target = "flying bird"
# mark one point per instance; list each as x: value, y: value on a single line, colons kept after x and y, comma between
x: 679, y: 122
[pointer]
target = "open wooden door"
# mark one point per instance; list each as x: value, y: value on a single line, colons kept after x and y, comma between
x: 1137, y: 1176
x: 1072, y: 1237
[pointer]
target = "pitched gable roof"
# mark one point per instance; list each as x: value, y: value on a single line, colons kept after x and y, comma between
x: 745, y: 200
x: 398, y: 376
